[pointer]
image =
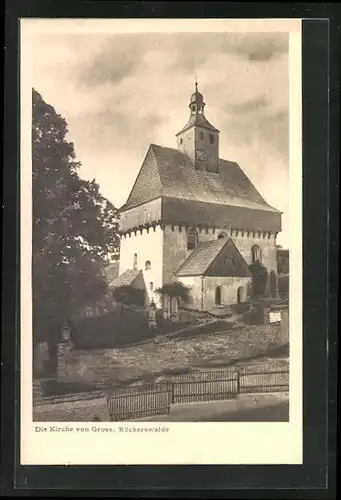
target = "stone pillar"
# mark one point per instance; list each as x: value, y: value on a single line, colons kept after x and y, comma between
x: 266, y: 315
x: 41, y: 359
x: 64, y: 357
x: 166, y: 306
x: 152, y: 315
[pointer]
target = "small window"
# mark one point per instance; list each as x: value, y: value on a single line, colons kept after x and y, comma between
x: 256, y: 254
x: 211, y: 138
x: 192, y: 239
x: 135, y: 261
x: 201, y: 136
x: 151, y: 286
x: 180, y: 141
x: 148, y: 265
x: 222, y: 235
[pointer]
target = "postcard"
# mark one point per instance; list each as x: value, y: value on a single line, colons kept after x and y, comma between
x: 161, y: 241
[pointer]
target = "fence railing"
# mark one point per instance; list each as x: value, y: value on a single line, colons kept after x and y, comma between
x: 140, y: 401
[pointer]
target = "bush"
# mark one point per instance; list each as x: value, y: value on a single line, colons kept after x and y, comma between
x: 112, y: 330
x: 177, y: 289
x: 128, y: 295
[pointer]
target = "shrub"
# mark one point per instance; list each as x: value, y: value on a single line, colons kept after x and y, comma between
x: 128, y: 295
x: 112, y: 330
x: 177, y: 289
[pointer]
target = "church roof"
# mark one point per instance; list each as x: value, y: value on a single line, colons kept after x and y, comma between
x: 203, y: 258
x: 198, y: 121
x: 126, y: 278
x: 167, y: 172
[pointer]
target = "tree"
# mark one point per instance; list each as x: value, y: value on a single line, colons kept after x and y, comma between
x: 74, y: 226
x: 177, y: 289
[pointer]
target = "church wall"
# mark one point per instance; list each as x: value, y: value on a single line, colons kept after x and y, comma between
x: 148, y: 247
x: 203, y: 290
x: 175, y: 247
x: 229, y: 290
x: 212, y: 150
x: 174, y: 251
x: 186, y: 143
x: 245, y: 243
x: 267, y: 246
x: 143, y: 214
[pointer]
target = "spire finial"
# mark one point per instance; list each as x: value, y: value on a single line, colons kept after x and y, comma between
x: 196, y: 83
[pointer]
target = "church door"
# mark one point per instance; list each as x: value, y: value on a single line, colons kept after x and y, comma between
x: 218, y: 295
x: 241, y: 295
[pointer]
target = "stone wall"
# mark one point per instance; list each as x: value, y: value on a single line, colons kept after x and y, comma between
x: 203, y: 290
x: 112, y: 366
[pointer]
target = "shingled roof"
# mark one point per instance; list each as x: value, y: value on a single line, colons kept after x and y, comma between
x: 126, y: 278
x: 201, y: 258
x: 198, y: 121
x: 204, y: 260
x: 167, y: 172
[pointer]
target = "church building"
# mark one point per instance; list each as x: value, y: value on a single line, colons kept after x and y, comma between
x: 195, y: 218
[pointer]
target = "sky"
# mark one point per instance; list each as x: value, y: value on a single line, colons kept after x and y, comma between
x: 121, y: 92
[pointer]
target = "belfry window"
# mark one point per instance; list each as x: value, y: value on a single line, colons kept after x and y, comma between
x: 192, y: 239
x: 256, y: 254
x: 211, y: 138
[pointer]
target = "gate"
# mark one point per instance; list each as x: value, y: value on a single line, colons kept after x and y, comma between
x: 205, y: 386
x: 139, y: 401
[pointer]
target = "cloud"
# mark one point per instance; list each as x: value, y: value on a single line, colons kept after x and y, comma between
x: 250, y: 105
x: 119, y: 93
x: 264, y: 47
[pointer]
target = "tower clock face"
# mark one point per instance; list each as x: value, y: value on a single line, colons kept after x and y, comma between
x: 201, y: 155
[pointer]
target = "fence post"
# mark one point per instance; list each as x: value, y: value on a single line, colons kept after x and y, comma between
x: 172, y: 393
x: 238, y: 382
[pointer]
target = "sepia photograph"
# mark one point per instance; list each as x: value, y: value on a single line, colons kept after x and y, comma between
x: 161, y: 225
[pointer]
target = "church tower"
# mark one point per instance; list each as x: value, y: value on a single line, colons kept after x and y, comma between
x: 198, y: 139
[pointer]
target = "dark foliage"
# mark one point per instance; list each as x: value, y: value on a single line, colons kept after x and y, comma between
x: 74, y: 226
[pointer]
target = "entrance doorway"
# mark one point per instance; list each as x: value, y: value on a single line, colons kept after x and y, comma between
x: 241, y: 295
x: 218, y: 296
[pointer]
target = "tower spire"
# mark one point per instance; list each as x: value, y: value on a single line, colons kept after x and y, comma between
x: 197, y: 101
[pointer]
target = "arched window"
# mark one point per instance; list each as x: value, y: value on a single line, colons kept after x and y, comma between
x: 218, y: 296
x: 135, y: 261
x: 192, y: 239
x: 148, y: 265
x: 221, y: 235
x: 256, y: 254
